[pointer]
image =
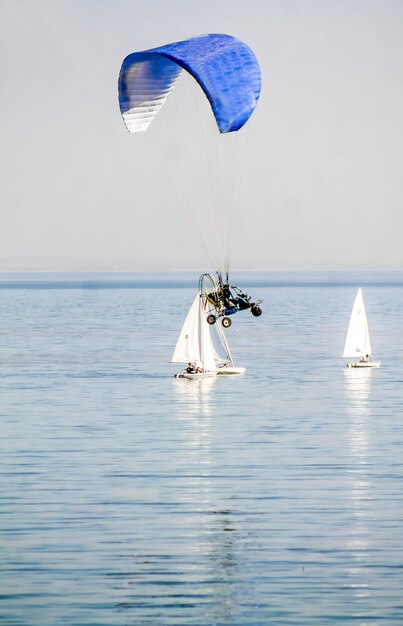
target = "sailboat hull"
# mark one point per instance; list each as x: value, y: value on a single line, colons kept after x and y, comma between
x: 368, y: 364
x: 228, y: 370
x: 195, y: 375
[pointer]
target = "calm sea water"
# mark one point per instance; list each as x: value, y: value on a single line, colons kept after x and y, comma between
x: 131, y: 498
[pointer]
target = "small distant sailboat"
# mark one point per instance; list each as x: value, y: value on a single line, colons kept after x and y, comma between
x: 195, y: 347
x: 358, y: 343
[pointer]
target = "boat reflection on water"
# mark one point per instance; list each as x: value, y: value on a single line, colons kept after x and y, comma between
x: 194, y: 396
x: 189, y: 553
x: 358, y: 402
x: 211, y: 552
x: 357, y: 385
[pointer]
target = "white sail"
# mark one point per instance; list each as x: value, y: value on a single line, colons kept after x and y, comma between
x: 194, y: 344
x: 357, y: 341
x: 188, y: 345
x: 225, y: 357
x: 208, y: 361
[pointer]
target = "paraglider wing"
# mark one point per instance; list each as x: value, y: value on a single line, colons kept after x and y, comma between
x: 225, y: 68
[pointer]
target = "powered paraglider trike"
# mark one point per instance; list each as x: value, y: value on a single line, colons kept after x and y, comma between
x: 220, y: 299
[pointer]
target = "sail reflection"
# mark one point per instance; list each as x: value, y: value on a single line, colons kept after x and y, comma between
x: 358, y: 396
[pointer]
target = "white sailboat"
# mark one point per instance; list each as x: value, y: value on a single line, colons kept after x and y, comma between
x: 358, y: 343
x: 195, y: 346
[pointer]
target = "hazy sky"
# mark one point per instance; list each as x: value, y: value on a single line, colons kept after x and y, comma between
x: 323, y: 173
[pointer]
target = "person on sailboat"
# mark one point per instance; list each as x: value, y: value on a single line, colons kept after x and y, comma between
x: 365, y: 359
x: 190, y: 368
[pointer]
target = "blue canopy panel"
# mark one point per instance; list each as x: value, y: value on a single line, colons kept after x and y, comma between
x: 225, y: 68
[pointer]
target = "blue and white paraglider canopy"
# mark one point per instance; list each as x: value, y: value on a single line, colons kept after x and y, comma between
x: 208, y: 177
x: 225, y: 68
